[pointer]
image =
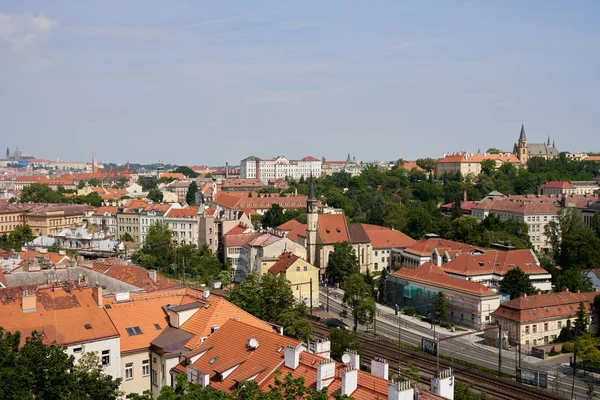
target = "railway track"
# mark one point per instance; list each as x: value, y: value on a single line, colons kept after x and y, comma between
x: 496, y: 387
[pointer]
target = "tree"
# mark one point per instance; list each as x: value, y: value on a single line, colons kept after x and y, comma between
x: 381, y: 286
x: 574, y: 245
x: 596, y: 309
x: 341, y: 340
x: 126, y: 237
x: 573, y: 279
x: 440, y: 305
x: 190, y: 197
x: 488, y: 167
x: 39, y: 371
x: 428, y: 164
x: 40, y: 193
x: 582, y: 320
x: 516, y: 283
x: 158, y: 244
x: 155, y: 195
x: 493, y: 150
x: 273, y: 217
x: 342, y: 263
x: 358, y: 296
x: 187, y: 171
x: 20, y: 236
x: 464, y: 391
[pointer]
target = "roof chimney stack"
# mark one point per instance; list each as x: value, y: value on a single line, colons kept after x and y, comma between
x: 349, y: 381
x: 291, y: 356
x: 401, y: 391
x: 29, y: 301
x: 152, y: 274
x: 97, y: 294
x: 325, y: 374
x: 380, y: 368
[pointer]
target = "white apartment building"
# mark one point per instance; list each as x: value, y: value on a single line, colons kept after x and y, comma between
x: 279, y: 167
x: 184, y: 222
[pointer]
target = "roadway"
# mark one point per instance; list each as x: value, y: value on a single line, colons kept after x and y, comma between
x: 463, y: 348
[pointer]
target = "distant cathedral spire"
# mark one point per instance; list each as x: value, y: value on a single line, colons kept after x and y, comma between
x: 522, y: 136
x: 548, y: 140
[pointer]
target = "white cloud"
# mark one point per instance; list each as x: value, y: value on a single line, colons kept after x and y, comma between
x: 25, y: 32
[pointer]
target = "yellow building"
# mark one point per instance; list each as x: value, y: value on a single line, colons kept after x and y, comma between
x: 53, y: 218
x: 300, y: 273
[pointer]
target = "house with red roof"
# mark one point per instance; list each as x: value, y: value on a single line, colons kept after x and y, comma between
x: 489, y: 267
x: 386, y: 245
x: 575, y: 187
x: 469, y: 303
x: 303, y: 276
x: 239, y: 353
x: 434, y: 249
x: 537, y: 320
x: 185, y: 224
x: 470, y: 163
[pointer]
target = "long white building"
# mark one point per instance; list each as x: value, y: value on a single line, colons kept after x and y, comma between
x: 279, y: 167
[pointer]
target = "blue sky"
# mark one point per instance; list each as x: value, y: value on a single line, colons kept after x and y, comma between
x: 204, y: 82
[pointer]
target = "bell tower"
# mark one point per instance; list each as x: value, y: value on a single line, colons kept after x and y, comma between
x: 522, y: 150
x: 312, y: 217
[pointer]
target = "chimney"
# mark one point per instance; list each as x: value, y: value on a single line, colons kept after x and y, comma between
x: 401, y: 391
x: 226, y: 170
x: 325, y: 374
x: 29, y: 301
x: 152, y: 274
x: 349, y: 381
x: 291, y: 356
x: 595, y: 290
x: 321, y: 347
x: 205, y: 294
x: 354, y: 359
x: 443, y: 385
x: 380, y: 368
x: 524, y: 295
x: 97, y: 294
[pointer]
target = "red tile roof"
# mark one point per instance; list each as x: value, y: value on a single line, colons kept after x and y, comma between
x: 239, y: 239
x: 559, y: 185
x: 289, y: 225
x: 333, y: 228
x: 410, y: 165
x: 431, y: 274
x: 285, y: 261
x: 517, y: 205
x: 112, y: 210
x: 592, y: 158
x: 134, y: 275
x: 464, y: 205
x: 175, y: 175
x: 385, y: 238
x: 61, y: 316
x: 464, y: 157
x: 297, y: 232
x: 425, y: 247
x: 544, y: 306
x: 494, y: 262
x: 189, y: 212
x: 309, y: 158
x: 236, y: 230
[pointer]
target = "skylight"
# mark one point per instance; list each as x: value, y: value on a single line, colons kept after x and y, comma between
x: 88, y: 326
x: 212, y: 360
x: 134, y: 330
x: 157, y: 326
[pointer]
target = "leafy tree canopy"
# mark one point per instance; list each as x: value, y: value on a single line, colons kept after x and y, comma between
x: 187, y: 171
x: 190, y: 197
x: 358, y: 295
x: 342, y: 263
x: 516, y: 283
x: 155, y: 195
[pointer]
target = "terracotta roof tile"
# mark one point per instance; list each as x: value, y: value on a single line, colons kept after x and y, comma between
x: 134, y: 275
x: 464, y: 157
x: 285, y: 261
x: 410, y: 165
x: 333, y: 228
x: 494, y: 262
x: 543, y: 306
x: 189, y: 212
x: 61, y: 316
x: 425, y: 247
x: 385, y: 238
x: 559, y: 185
x: 431, y: 274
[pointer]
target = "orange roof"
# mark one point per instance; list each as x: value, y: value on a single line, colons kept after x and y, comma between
x: 463, y: 157
x: 230, y: 343
x: 145, y: 310
x: 285, y: 261
x: 592, y: 158
x: 61, y: 316
x: 333, y: 228
x: 174, y: 175
x: 543, y: 306
x: 190, y: 212
x: 217, y: 314
x: 134, y: 275
x: 238, y: 229
x: 106, y: 209
x: 233, y: 200
x: 517, y: 205
x: 431, y: 274
x: 494, y: 262
x: 242, y: 183
x: 410, y: 165
x: 297, y: 232
x: 425, y: 247
x: 239, y: 239
x: 559, y: 184
x: 289, y: 225
x: 385, y: 238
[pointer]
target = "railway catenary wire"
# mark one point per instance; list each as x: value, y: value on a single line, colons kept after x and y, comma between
x: 495, y: 387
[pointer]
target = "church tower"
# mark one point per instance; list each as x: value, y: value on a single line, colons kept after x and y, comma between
x: 312, y: 218
x: 522, y: 150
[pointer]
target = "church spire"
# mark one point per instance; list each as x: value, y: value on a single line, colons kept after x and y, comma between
x: 548, y: 140
x: 522, y: 137
x: 311, y: 192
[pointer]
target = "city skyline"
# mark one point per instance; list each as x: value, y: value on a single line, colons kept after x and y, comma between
x: 207, y: 83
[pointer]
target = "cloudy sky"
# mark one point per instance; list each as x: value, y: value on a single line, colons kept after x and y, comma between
x: 204, y: 82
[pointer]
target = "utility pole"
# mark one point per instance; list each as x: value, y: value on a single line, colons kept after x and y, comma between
x: 311, y: 297
x: 183, y: 267
x: 499, y: 350
x: 574, y: 367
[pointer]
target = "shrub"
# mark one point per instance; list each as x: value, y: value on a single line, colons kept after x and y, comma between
x: 410, y: 311
x: 568, y: 347
x: 445, y: 325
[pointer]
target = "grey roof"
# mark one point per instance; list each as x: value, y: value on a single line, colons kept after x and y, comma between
x: 593, y: 208
x: 522, y: 136
x: 311, y: 192
x: 189, y: 306
x: 542, y: 149
x: 172, y: 340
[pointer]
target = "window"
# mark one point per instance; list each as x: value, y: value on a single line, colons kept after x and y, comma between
x: 376, y: 252
x: 546, y: 327
x: 527, y: 329
x: 129, y: 371
x: 154, y: 377
x: 376, y: 266
x: 105, y: 358
x: 306, y: 268
x: 534, y: 328
x: 297, y: 268
x: 145, y: 367
x: 77, y: 349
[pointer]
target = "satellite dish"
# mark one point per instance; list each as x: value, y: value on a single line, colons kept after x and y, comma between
x: 346, y: 358
x: 253, y: 344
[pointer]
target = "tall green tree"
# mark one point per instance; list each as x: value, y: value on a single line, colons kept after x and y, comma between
x: 187, y: 171
x: 273, y: 217
x: 342, y: 263
x: 582, y: 321
x: 190, y: 197
x: 358, y: 296
x: 440, y: 305
x: 516, y: 283
x: 39, y: 371
x: 381, y: 283
x: 159, y: 245
x: 155, y: 195
x: 40, y: 193
x: 343, y: 339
